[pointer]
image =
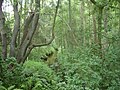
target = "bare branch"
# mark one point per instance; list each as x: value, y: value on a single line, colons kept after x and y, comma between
x: 44, y: 44
x: 26, y: 26
x: 53, y: 29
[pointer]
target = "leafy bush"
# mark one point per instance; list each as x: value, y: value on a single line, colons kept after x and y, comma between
x: 32, y: 75
x: 76, y: 70
x: 82, y: 69
x: 38, y: 52
x: 110, y: 68
x: 11, y: 73
x: 38, y: 76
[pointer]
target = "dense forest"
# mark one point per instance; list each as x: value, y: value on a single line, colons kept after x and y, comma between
x: 59, y: 44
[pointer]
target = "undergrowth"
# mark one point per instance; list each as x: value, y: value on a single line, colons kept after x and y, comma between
x: 77, y: 69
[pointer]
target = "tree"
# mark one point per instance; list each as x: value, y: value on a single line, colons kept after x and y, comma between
x: 3, y: 32
x: 100, y: 8
x: 20, y: 50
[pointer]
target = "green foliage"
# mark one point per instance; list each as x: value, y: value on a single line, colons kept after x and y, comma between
x: 11, y: 73
x: 110, y: 68
x: 33, y: 67
x: 38, y: 76
x: 83, y: 67
x: 76, y: 69
x: 38, y: 52
x: 31, y: 76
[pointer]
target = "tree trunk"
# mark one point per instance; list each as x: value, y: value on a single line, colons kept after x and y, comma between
x: 94, y: 29
x: 69, y: 36
x: 15, y: 31
x: 100, y: 9
x: 82, y: 23
x: 27, y: 40
x: 20, y: 50
x: 3, y: 33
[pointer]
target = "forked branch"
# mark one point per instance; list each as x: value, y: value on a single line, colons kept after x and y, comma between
x: 49, y: 42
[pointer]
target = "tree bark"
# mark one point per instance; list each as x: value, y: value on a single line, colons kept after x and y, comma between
x: 95, y: 29
x: 21, y: 51
x: 30, y: 47
x: 82, y: 22
x: 99, y: 31
x: 26, y: 26
x: 99, y: 20
x: 15, y: 31
x: 27, y: 41
x: 3, y: 33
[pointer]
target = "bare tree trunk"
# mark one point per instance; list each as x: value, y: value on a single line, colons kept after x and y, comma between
x: 3, y: 33
x: 26, y: 26
x: 69, y: 36
x: 15, y: 31
x: 105, y: 18
x: 95, y: 29
x: 82, y: 22
x: 100, y: 9
x: 27, y: 41
x: 105, y: 43
x: 71, y: 39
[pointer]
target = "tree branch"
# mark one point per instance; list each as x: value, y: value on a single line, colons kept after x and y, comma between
x: 53, y: 29
x: 93, y: 1
x: 26, y: 26
x: 44, y: 44
x: 99, y: 5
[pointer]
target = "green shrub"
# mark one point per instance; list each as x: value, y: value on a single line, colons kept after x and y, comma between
x: 76, y: 70
x: 38, y: 52
x: 82, y: 66
x: 38, y: 76
x: 32, y: 75
x: 11, y: 73
x: 110, y: 70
